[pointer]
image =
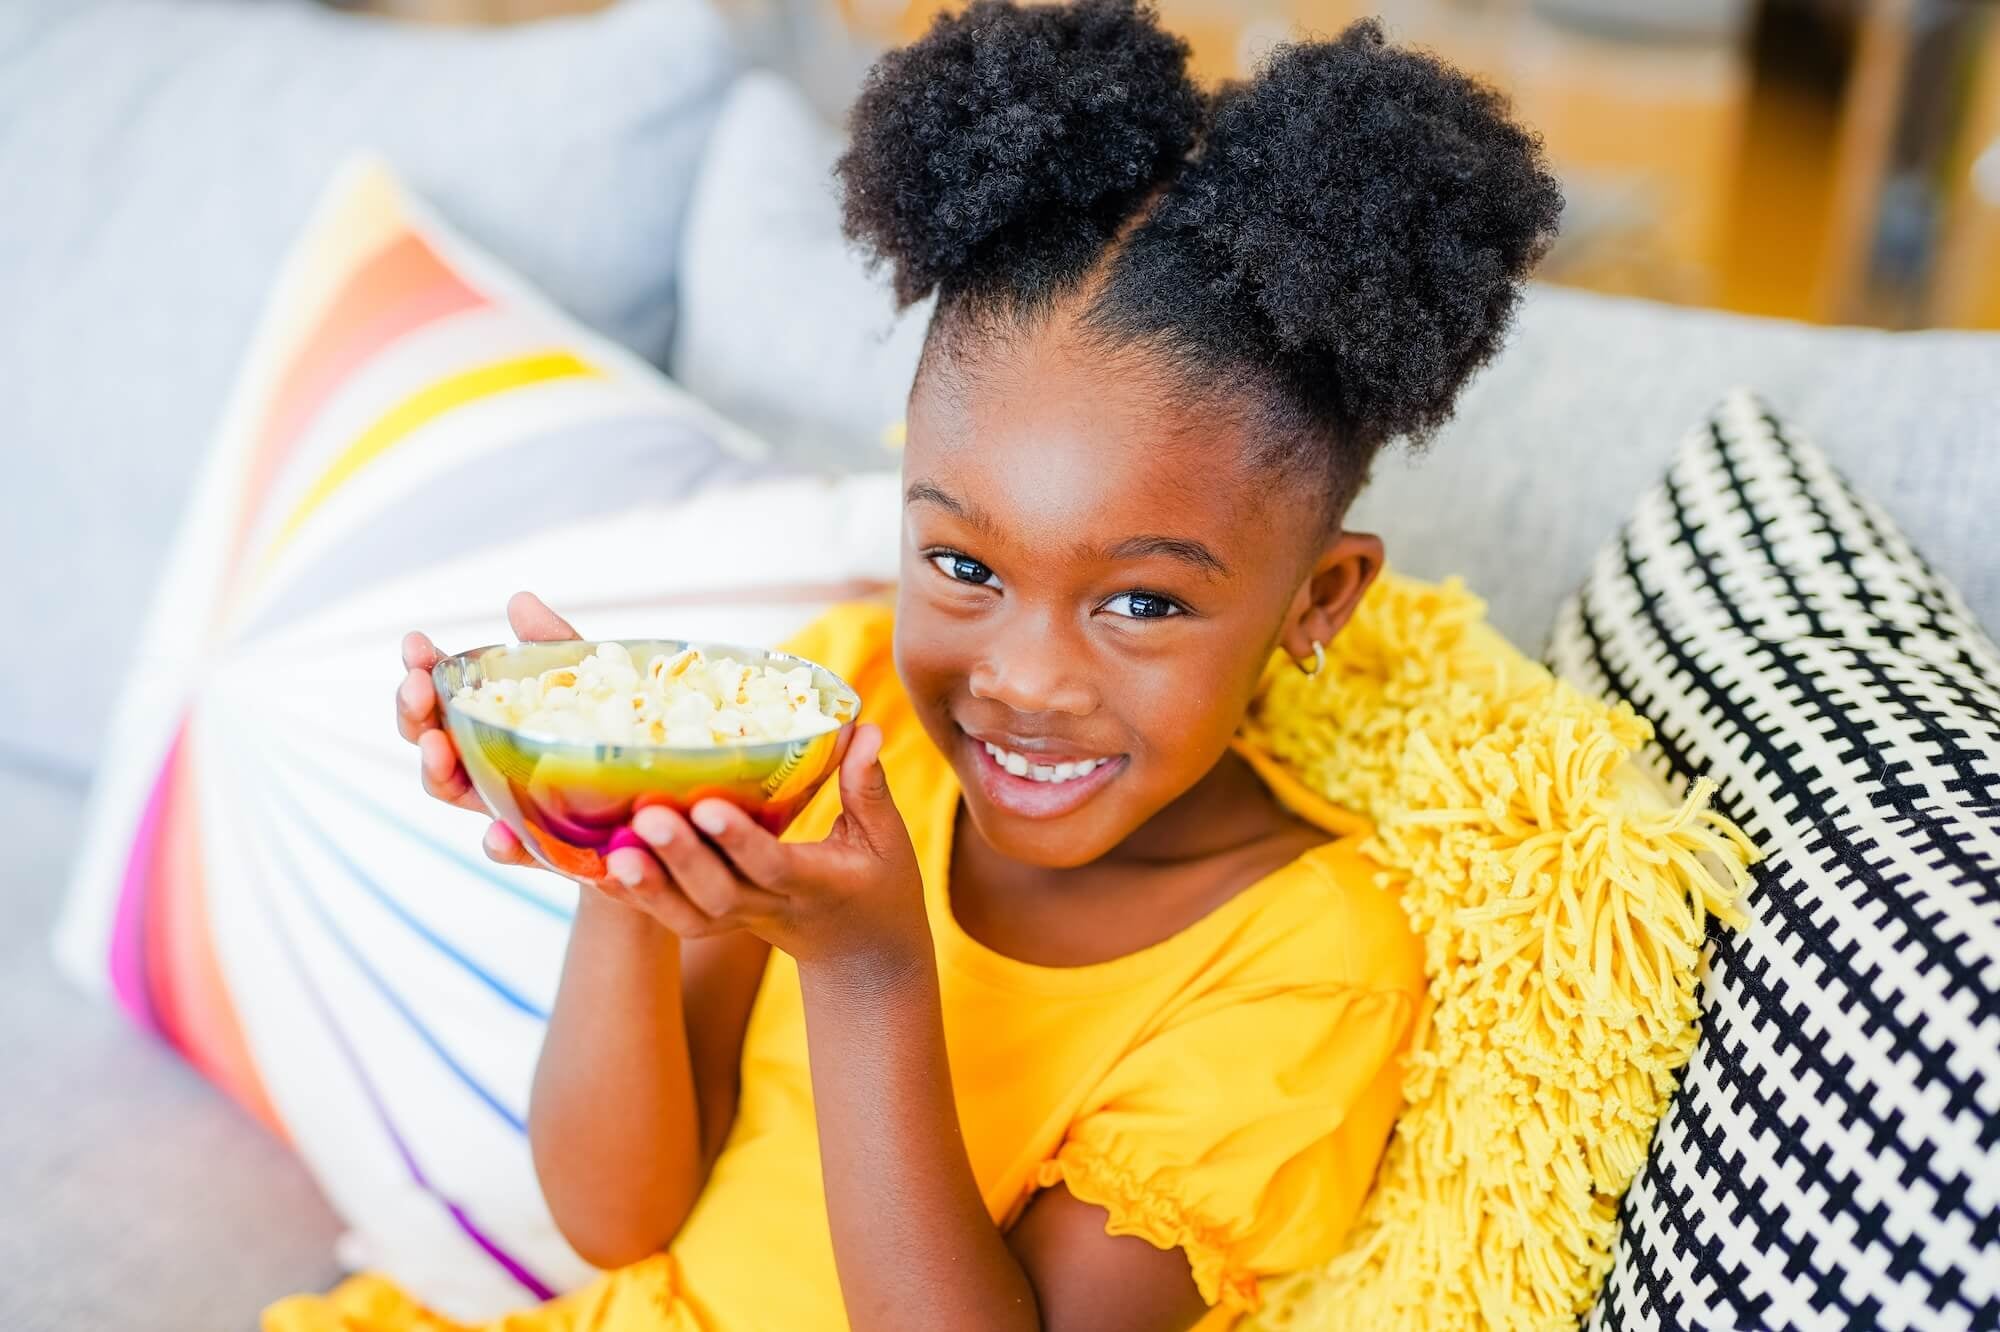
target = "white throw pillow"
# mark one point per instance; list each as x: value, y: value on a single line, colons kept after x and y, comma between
x: 414, y: 436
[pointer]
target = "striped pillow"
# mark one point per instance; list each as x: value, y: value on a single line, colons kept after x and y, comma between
x: 1832, y: 1157
x: 414, y: 436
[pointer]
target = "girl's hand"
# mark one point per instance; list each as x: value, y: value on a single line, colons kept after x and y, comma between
x: 853, y: 900
x: 421, y: 720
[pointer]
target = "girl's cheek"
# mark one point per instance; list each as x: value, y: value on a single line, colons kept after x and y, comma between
x: 1186, y: 715
x: 934, y: 681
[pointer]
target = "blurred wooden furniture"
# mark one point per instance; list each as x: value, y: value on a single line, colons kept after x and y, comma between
x: 1746, y: 165
x: 1965, y: 292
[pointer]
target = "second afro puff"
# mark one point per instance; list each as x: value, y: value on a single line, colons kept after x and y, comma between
x: 1357, y: 223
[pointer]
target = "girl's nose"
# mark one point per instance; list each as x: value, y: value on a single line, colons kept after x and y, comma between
x: 1034, y: 673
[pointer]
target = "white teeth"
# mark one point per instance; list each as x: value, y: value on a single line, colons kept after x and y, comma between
x: 1021, y: 766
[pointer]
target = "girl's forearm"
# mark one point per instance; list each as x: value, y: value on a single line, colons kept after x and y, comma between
x: 912, y: 1239
x: 613, y: 1120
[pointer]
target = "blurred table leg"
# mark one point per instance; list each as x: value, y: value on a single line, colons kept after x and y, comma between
x: 1965, y: 291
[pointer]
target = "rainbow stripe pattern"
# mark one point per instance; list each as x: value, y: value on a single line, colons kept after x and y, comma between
x: 414, y: 435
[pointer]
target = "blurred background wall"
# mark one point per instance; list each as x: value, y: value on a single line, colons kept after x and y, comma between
x: 1836, y: 161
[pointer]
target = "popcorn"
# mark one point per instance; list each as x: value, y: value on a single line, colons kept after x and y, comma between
x: 685, y: 699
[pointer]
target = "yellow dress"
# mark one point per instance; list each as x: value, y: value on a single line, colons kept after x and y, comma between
x: 1227, y: 1091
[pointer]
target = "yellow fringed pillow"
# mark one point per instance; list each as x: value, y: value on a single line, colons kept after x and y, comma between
x: 1563, y: 900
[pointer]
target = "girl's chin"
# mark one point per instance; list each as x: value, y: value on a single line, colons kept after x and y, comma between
x: 1040, y: 844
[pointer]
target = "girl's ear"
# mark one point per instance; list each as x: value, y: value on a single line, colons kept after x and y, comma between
x: 1323, y: 603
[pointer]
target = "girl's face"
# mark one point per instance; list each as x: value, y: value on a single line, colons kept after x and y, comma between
x: 1092, y: 580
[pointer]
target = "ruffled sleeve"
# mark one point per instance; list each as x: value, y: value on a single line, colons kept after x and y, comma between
x: 1246, y: 1132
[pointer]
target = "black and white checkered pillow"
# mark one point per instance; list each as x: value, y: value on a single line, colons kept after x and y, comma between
x: 1832, y: 1157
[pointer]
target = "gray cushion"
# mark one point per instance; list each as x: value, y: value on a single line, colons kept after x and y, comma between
x: 160, y: 158
x: 782, y: 326
x: 135, y: 1194
x: 1555, y: 441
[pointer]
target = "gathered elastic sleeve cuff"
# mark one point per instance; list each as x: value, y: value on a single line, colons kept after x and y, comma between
x: 1137, y: 1207
x: 1246, y: 1134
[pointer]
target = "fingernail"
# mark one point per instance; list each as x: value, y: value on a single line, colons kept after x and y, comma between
x: 708, y: 818
x: 408, y: 691
x: 627, y: 873
x: 653, y: 824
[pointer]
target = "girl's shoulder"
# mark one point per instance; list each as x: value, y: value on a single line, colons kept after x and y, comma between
x: 1334, y: 916
x: 854, y: 639
x: 1332, y: 913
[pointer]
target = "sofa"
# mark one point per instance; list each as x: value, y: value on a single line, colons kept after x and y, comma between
x: 138, y: 1196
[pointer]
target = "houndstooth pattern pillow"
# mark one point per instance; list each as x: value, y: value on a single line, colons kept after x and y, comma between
x: 1832, y: 1156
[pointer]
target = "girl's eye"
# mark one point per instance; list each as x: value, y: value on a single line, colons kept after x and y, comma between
x: 964, y: 569
x: 1145, y: 606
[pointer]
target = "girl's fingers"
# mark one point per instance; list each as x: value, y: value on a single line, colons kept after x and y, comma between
x: 696, y: 868
x: 502, y: 846
x: 534, y: 622
x: 633, y: 871
x: 419, y: 653
x: 614, y: 891
x: 865, y: 803
x: 444, y: 777
x: 416, y: 705
x: 638, y: 881
x: 697, y: 871
x: 757, y: 856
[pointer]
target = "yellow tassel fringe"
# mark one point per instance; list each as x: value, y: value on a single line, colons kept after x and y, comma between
x: 1563, y: 902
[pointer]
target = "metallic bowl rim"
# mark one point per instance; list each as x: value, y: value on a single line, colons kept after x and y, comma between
x: 772, y: 749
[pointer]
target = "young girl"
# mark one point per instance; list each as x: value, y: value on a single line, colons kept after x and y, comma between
x: 1063, y: 1007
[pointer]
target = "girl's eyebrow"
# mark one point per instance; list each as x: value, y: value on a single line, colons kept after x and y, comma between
x: 1185, y: 549
x: 924, y: 490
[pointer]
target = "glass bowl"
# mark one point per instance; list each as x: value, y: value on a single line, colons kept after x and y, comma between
x: 569, y: 802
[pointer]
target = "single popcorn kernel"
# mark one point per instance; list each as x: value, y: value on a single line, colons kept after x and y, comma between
x: 683, y: 699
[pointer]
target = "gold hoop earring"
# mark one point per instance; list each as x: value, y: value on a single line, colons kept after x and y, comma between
x: 1319, y: 659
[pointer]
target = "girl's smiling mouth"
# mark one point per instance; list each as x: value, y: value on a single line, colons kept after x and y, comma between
x: 1038, y: 786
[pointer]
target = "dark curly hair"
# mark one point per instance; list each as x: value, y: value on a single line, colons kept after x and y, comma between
x: 1336, y: 244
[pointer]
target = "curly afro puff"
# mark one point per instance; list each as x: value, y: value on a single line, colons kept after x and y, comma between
x: 1000, y: 154
x: 1338, y: 243
x: 1358, y: 224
